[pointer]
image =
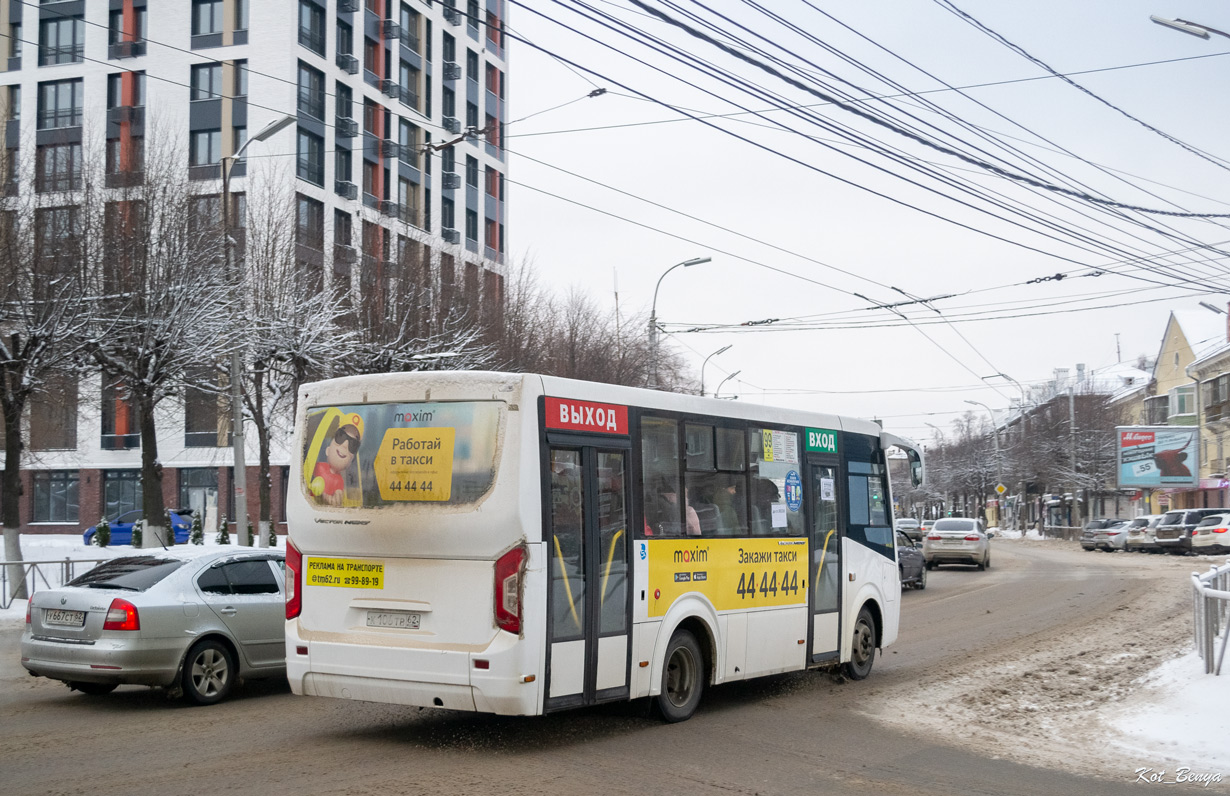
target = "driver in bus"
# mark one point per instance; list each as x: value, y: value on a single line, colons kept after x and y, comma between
x: 328, y: 479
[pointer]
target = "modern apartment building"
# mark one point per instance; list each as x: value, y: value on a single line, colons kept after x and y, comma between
x: 396, y: 155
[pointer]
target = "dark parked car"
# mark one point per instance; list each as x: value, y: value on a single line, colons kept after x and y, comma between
x: 121, y: 527
x: 1174, y: 531
x: 190, y: 619
x: 910, y: 527
x: 911, y: 564
x: 1104, y: 534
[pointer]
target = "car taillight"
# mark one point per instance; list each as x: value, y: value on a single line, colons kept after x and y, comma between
x: 294, y: 566
x: 971, y: 538
x: 1215, y: 530
x: 28, y: 611
x: 122, y: 615
x: 935, y: 537
x: 508, y: 590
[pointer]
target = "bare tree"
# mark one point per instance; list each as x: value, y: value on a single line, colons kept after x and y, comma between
x: 292, y: 322
x: 397, y: 326
x: 41, y: 290
x: 575, y: 338
x: 165, y: 304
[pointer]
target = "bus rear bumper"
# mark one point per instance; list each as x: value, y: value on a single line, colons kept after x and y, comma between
x: 490, y: 681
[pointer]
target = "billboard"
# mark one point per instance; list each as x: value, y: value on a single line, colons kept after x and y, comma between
x: 1158, y: 456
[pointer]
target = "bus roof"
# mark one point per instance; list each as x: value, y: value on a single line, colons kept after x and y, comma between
x: 453, y: 385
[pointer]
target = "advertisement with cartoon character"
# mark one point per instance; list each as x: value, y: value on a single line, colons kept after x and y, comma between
x: 371, y: 455
x: 1158, y: 456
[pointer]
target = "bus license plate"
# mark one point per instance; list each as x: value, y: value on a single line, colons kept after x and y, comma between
x: 64, y: 618
x: 395, y: 620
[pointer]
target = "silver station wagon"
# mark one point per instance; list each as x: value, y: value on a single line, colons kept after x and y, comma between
x: 190, y: 619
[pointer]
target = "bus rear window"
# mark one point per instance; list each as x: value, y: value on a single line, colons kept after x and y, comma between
x: 373, y: 455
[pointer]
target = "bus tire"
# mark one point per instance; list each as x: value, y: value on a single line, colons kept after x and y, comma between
x: 683, y: 678
x: 863, y: 647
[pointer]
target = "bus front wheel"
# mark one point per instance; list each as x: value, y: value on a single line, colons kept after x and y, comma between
x: 863, y: 649
x: 683, y: 678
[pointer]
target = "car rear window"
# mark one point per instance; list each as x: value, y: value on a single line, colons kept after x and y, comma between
x: 1212, y: 519
x: 136, y: 573
x: 1139, y: 522
x: 1172, y: 518
x: 953, y: 525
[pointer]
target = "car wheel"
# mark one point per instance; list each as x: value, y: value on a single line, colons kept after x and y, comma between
x: 209, y: 671
x: 93, y: 540
x: 929, y: 565
x: 922, y: 579
x: 683, y: 678
x: 901, y: 578
x: 93, y: 689
x: 863, y: 648
x: 986, y: 562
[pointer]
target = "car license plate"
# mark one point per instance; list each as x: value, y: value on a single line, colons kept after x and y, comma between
x: 401, y: 621
x: 1167, y: 534
x: 954, y: 542
x: 64, y: 618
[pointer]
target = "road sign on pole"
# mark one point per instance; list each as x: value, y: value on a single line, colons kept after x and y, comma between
x: 1000, y: 489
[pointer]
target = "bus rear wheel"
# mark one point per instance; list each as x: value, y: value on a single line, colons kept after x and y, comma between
x: 863, y: 649
x: 683, y: 678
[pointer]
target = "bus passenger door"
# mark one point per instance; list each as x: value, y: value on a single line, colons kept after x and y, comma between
x: 588, y: 608
x: 825, y: 563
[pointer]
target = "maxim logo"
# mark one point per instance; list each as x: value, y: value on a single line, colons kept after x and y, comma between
x: 413, y: 417
x: 698, y: 555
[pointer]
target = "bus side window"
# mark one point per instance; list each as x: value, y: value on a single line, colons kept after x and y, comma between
x: 660, y: 469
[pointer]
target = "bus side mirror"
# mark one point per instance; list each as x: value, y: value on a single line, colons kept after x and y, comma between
x: 916, y: 466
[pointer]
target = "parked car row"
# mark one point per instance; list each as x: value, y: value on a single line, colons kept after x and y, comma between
x: 1182, y: 531
x: 189, y: 619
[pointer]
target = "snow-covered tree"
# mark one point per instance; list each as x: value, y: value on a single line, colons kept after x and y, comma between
x: 41, y: 288
x: 292, y: 320
x: 165, y: 302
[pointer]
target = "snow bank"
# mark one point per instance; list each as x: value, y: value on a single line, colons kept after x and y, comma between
x: 1181, y: 713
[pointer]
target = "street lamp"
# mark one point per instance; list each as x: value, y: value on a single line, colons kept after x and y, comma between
x: 1193, y: 28
x: 1015, y: 383
x: 653, y: 318
x: 728, y: 378
x: 706, y: 362
x: 237, y: 440
x: 999, y: 471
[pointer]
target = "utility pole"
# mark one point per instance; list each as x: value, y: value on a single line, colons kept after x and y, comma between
x: 1072, y: 426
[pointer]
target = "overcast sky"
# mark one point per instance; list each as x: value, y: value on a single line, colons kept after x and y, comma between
x: 963, y: 194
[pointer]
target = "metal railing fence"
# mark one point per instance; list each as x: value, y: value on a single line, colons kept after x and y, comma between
x: 1210, y: 612
x: 51, y: 574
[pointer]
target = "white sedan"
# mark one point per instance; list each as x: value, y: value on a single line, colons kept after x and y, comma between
x: 957, y: 540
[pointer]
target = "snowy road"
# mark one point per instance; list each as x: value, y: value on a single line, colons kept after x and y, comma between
x: 998, y: 685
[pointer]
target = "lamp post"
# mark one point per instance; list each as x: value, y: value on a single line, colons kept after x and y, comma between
x: 999, y: 464
x: 237, y: 439
x: 728, y: 378
x: 1192, y: 28
x: 999, y: 471
x: 653, y: 318
x: 706, y: 362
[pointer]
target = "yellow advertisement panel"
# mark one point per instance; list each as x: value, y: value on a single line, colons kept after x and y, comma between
x: 732, y: 573
x: 415, y: 464
x: 351, y: 573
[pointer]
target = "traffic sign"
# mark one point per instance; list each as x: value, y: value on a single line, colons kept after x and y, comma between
x: 1000, y: 489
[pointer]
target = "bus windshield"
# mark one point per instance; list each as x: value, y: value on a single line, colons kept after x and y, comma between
x: 377, y: 455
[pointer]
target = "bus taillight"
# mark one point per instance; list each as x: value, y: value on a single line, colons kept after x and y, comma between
x: 508, y: 590
x: 294, y: 565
